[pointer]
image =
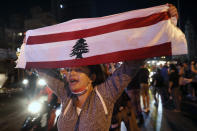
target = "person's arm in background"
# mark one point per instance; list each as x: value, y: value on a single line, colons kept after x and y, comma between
x: 193, y: 68
x: 170, y: 87
x: 186, y: 80
x: 112, y: 67
x: 171, y: 81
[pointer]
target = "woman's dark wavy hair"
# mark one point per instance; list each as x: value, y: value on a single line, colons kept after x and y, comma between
x: 100, y: 72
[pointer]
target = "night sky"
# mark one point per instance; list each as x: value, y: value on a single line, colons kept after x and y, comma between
x: 102, y: 7
x: 8, y: 7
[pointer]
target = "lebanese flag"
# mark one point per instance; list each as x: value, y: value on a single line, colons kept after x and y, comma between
x: 130, y: 35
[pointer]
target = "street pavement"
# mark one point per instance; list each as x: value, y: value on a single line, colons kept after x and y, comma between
x: 164, y: 119
x: 13, y: 113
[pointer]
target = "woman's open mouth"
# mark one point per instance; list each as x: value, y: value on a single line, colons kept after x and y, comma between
x: 73, y: 81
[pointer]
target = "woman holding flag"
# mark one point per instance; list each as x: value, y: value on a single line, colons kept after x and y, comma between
x: 88, y: 98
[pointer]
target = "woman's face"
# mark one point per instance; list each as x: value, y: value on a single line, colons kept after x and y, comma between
x: 78, y: 78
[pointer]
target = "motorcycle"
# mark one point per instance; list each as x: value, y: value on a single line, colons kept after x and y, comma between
x: 42, y: 111
x: 32, y: 85
x: 42, y: 115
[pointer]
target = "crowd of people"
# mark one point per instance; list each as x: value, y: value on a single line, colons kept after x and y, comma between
x: 175, y: 82
x: 171, y: 82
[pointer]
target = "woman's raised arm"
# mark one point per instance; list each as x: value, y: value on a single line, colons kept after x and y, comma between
x: 119, y: 80
x: 51, y: 77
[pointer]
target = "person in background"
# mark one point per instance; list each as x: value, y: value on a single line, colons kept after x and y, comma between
x: 184, y: 80
x: 174, y: 88
x: 158, y: 83
x: 133, y: 91
x: 164, y: 73
x: 194, y: 77
x: 32, y: 78
x: 144, y: 87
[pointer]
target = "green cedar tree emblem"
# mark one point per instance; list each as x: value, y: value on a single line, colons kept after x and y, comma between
x: 79, y: 48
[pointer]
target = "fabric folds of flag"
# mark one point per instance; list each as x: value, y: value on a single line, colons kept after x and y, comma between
x: 130, y: 35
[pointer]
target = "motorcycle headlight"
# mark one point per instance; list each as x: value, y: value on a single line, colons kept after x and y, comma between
x: 41, y: 82
x: 58, y: 111
x: 35, y: 107
x: 25, y: 81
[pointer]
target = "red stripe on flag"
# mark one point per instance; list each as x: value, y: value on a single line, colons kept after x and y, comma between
x: 126, y: 24
x: 141, y: 53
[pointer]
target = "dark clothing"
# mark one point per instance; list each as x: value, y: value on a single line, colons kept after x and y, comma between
x: 121, y: 102
x: 128, y: 117
x: 177, y: 98
x: 143, y: 75
x: 122, y: 112
x: 194, y: 77
x: 164, y: 73
x: 158, y: 80
x: 174, y: 77
x: 158, y: 83
x: 133, y: 90
x: 32, y: 80
x: 188, y: 73
x: 135, y: 82
x: 135, y: 101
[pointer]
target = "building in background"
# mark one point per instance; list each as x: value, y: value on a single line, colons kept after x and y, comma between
x: 38, y: 19
x: 12, y: 35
